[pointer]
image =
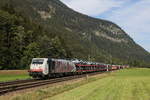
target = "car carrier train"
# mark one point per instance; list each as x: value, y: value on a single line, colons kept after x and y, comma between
x: 49, y: 67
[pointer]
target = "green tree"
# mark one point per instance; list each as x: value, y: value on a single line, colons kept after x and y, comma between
x: 9, y: 50
x: 31, y: 51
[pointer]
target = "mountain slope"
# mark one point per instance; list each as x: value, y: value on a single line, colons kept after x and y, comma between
x: 74, y: 35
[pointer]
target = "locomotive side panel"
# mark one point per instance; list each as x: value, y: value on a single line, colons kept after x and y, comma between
x: 64, y: 66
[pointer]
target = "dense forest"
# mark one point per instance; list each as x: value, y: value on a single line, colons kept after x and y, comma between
x: 22, y: 38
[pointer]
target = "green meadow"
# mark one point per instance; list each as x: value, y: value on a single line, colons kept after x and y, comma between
x: 129, y: 84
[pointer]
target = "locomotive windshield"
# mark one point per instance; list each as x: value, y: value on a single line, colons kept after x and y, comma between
x: 37, y: 61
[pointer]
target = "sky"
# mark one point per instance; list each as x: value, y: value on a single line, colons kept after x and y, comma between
x: 133, y: 16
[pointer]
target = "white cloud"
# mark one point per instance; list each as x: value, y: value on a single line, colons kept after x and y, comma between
x: 135, y: 20
x: 92, y: 7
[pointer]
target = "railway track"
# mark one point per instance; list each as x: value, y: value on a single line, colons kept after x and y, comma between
x: 16, y: 82
x: 7, y: 87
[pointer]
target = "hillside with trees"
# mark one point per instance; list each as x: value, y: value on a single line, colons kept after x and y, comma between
x: 48, y: 28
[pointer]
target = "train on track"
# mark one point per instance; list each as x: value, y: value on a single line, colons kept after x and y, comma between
x: 49, y: 67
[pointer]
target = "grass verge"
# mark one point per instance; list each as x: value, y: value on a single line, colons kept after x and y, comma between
x: 9, y: 75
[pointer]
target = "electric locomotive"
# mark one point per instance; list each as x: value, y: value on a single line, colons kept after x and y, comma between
x: 48, y: 67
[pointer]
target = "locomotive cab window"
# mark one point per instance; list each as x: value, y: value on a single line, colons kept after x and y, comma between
x: 37, y: 61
